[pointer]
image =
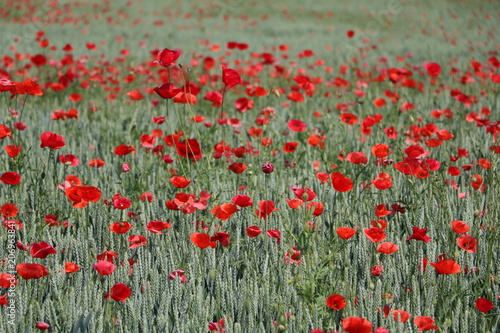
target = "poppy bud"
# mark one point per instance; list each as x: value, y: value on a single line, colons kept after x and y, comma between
x: 267, y: 167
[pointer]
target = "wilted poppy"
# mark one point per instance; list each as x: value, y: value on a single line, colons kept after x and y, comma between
x: 356, y: 325
x: 424, y: 323
x: 336, y: 302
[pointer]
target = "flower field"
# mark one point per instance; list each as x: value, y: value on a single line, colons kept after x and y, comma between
x: 230, y: 166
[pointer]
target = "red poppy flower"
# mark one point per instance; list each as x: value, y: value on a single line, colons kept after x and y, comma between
x: 414, y: 152
x: 120, y: 227
x: 7, y: 280
x: 266, y: 207
x: 9, y: 210
x: 424, y: 323
x: 167, y: 57
x: 323, y: 177
x: 189, y: 148
x: 157, y: 226
x: 401, y: 315
x: 230, y: 77
x: 5, y: 132
x: 381, y: 150
x: 242, y: 200
x: 383, y: 181
x: 146, y: 196
x: 274, y: 234
x: 341, y: 183
x: 290, y: 147
x: 433, y: 69
x: 104, y: 267
x: 459, y: 227
x: 350, y: 34
x: 180, y: 182
x: 3, y: 300
x: 107, y: 255
x: 387, y: 248
x: 120, y: 292
x: 225, y: 211
x: 31, y: 271
x: 379, y: 102
x: 13, y: 150
x: 10, y: 178
x: 381, y: 211
x: 51, y: 140
x: 136, y: 241
x: 377, y: 270
x: 237, y: 167
x: 419, y: 234
x: 316, y: 208
x: 124, y: 149
x: 167, y: 91
x: 296, y: 96
x: 356, y: 325
x: 468, y: 243
x: 135, y: 95
x: 253, y: 231
x: 375, y: 234
x: 297, y: 125
x: 294, y: 257
x: 42, y: 250
x: 122, y: 203
x: 70, y: 160
x: 221, y: 237
x: 42, y: 326
x: 348, y: 118
x: 357, y: 158
x: 80, y: 195
x: 484, y: 305
x: 345, y: 233
x: 446, y: 267
x: 70, y: 267
x: 336, y: 302
x: 96, y: 163
x: 202, y: 240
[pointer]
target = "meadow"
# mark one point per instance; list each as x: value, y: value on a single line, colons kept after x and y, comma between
x: 247, y: 166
